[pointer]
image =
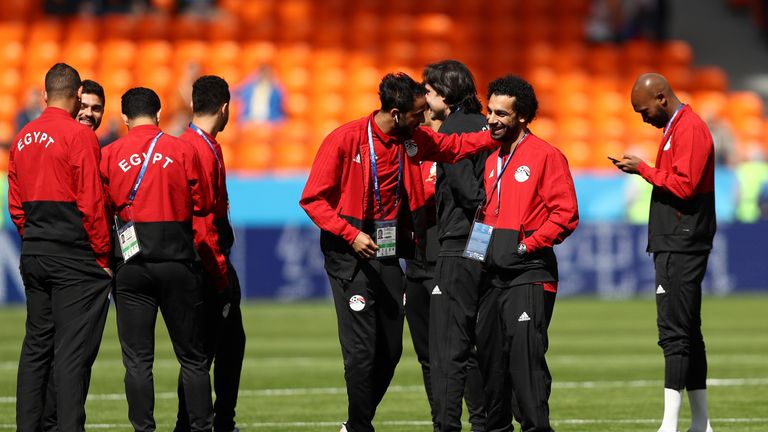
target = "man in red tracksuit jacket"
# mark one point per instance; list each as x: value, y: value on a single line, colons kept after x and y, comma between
x: 681, y: 228
x: 531, y: 206
x: 214, y: 237
x: 154, y: 187
x: 56, y: 201
x: 352, y: 197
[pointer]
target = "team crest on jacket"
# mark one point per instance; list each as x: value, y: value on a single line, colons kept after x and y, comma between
x: 357, y: 303
x: 522, y: 173
x: 411, y: 148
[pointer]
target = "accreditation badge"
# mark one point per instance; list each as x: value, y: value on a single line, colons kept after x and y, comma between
x: 479, y: 239
x: 127, y: 238
x: 386, y: 238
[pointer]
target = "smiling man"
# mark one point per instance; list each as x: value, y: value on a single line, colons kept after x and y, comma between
x: 91, y: 104
x: 530, y: 207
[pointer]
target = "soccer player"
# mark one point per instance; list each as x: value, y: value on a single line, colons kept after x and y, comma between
x: 681, y: 227
x: 91, y: 105
x: 530, y: 207
x: 154, y: 187
x: 452, y: 99
x: 56, y: 201
x: 214, y: 238
x: 366, y: 181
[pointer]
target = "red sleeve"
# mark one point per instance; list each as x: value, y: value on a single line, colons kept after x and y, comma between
x: 199, y: 184
x: 207, y: 243
x: 206, y: 234
x: 559, y: 196
x: 433, y: 146
x: 688, y: 166
x: 89, y: 193
x: 14, y: 197
x: 323, y: 190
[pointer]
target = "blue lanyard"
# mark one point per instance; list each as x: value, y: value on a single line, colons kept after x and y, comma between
x: 143, y: 168
x: 376, y: 190
x: 500, y: 170
x: 210, y: 144
x: 669, y: 123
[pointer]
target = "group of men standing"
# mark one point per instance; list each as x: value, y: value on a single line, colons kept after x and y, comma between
x: 145, y: 218
x: 475, y: 206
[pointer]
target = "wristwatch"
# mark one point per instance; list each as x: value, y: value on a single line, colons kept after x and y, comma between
x: 521, y: 249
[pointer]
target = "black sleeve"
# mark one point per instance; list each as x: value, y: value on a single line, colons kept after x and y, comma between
x: 465, y: 179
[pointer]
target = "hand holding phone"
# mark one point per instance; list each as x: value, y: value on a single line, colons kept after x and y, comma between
x: 614, y: 160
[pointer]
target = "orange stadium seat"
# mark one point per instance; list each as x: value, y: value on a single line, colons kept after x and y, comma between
x: 638, y: 53
x: 80, y: 54
x: 570, y: 56
x: 709, y: 102
x: 12, y: 31
x: 10, y: 81
x: 119, y: 26
x: 255, y: 54
x: 189, y: 50
x: 18, y: 9
x: 118, y: 53
x: 679, y: 76
x: 709, y: 78
x: 41, y: 54
x: 154, y: 52
x: 159, y: 78
x: 187, y: 27
x: 223, y: 52
x: 153, y: 26
x: 6, y: 134
x: 254, y: 149
x: 82, y: 28
x: 744, y: 104
x: 603, y: 59
x: 45, y: 30
x: 8, y: 107
x: 676, y: 52
x: 11, y: 53
x: 224, y: 27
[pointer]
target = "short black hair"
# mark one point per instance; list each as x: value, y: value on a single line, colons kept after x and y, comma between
x: 398, y: 90
x: 140, y: 102
x: 209, y: 93
x: 94, y: 88
x: 62, y: 80
x: 452, y: 80
x: 526, y: 104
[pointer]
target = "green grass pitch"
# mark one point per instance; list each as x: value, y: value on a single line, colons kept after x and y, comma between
x: 606, y: 367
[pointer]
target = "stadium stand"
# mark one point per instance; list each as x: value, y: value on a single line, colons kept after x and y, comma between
x: 329, y: 56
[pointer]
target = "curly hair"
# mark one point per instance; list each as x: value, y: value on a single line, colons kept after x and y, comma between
x: 526, y: 104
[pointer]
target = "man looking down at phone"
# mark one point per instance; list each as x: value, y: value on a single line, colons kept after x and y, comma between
x: 680, y: 231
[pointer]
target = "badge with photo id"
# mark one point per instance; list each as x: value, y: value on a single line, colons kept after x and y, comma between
x: 129, y: 242
x: 479, y: 239
x: 386, y: 238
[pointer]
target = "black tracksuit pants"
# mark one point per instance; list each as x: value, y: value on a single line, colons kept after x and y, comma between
x: 417, y: 291
x: 175, y: 288
x: 369, y: 311
x: 678, y: 318
x: 511, y: 344
x: 67, y: 302
x: 225, y: 346
x: 453, y: 358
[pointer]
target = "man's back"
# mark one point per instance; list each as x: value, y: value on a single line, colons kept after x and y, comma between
x: 170, y: 192
x: 55, y: 194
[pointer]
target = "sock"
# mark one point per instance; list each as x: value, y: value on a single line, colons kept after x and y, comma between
x: 699, y: 415
x: 672, y: 401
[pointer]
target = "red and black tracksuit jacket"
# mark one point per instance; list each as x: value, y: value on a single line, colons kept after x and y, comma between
x: 682, y: 217
x: 173, y: 189
x: 338, y: 193
x: 213, y: 233
x: 55, y: 195
x: 538, y: 208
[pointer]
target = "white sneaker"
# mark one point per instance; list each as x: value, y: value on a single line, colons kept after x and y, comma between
x: 343, y: 427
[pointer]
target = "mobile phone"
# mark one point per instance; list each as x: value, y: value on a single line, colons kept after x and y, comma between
x: 614, y: 160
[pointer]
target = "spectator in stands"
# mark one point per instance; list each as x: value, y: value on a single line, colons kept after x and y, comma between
x: 752, y: 177
x: 260, y: 98
x: 680, y: 232
x: 621, y: 20
x: 33, y: 107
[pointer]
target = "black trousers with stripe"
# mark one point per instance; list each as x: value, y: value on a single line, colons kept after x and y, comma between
x: 225, y: 346
x: 511, y: 344
x: 369, y: 312
x: 453, y: 357
x: 678, y: 318
x: 175, y: 289
x: 67, y: 303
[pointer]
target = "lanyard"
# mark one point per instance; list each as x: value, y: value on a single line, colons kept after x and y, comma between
x: 376, y: 190
x: 143, y: 168
x: 669, y: 123
x: 210, y: 144
x: 500, y: 170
